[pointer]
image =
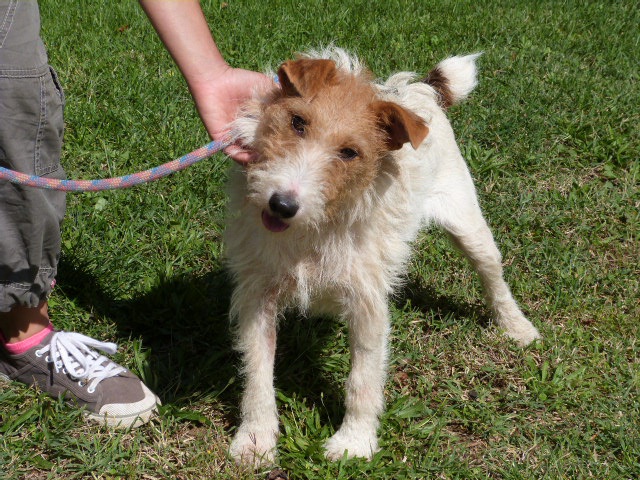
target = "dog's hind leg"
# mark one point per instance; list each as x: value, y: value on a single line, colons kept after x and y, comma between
x: 469, y: 231
x: 368, y: 321
x: 255, y: 441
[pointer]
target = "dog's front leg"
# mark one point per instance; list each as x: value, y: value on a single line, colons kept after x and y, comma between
x: 255, y: 441
x: 368, y: 321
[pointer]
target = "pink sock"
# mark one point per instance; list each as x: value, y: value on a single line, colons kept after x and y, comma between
x: 20, y: 347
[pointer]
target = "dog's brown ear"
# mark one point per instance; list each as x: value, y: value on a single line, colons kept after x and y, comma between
x: 400, y: 124
x: 305, y: 77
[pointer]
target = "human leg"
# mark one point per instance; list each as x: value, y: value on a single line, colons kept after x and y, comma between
x: 31, y: 351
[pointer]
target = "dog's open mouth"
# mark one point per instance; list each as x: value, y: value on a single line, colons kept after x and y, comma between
x: 273, y: 224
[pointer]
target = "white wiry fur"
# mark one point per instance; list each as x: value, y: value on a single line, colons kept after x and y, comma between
x: 461, y: 73
x: 347, y: 263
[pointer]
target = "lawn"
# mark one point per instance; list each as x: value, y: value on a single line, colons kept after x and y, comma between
x: 552, y: 138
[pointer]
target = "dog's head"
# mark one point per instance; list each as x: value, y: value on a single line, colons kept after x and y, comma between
x: 323, y: 139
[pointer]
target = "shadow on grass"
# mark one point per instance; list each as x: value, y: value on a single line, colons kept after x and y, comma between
x: 441, y: 308
x: 183, y: 322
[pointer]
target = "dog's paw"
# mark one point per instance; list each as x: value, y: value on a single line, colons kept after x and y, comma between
x: 356, y: 443
x: 523, y: 334
x: 254, y: 446
x: 515, y: 325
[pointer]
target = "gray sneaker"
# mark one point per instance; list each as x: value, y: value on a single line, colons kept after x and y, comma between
x: 66, y: 364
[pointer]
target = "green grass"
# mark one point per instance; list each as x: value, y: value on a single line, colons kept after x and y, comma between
x: 552, y: 138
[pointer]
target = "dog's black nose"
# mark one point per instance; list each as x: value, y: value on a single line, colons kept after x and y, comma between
x: 283, y: 205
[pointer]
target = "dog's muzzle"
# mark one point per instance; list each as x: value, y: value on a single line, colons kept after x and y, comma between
x: 281, y: 206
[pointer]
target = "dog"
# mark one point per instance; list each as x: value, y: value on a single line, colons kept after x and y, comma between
x: 349, y: 170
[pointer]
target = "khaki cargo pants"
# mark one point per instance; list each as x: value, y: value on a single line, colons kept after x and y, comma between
x: 31, y: 127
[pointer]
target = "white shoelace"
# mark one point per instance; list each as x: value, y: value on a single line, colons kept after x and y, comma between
x: 73, y: 354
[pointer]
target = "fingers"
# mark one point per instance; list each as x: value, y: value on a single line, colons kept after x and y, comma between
x: 240, y: 155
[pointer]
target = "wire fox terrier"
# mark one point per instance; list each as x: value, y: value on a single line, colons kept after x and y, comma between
x: 349, y: 171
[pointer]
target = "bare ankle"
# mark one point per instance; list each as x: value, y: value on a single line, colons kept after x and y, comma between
x: 21, y: 322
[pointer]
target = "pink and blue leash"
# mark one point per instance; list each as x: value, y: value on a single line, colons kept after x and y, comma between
x: 124, y: 181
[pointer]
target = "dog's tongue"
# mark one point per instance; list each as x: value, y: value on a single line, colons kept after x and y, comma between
x: 272, y: 223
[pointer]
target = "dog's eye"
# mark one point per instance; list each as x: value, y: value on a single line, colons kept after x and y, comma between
x: 298, y: 124
x: 347, y: 154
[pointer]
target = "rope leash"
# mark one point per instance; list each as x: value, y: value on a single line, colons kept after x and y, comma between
x: 124, y: 181
x: 115, y: 183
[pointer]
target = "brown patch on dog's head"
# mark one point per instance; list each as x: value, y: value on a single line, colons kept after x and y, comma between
x: 328, y: 131
x: 305, y: 77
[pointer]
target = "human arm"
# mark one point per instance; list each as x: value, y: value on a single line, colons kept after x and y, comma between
x: 217, y: 88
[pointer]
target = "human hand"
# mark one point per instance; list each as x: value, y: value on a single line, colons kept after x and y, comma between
x: 219, y: 99
x: 217, y: 89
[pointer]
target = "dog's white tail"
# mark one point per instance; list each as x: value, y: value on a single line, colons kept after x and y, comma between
x: 454, y: 78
